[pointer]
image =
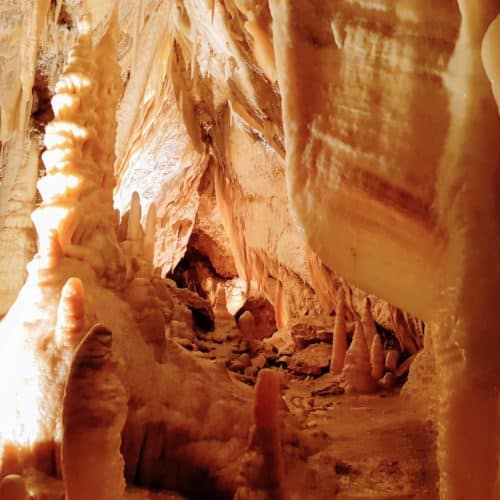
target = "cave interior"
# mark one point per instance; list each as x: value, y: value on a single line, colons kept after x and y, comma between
x: 249, y: 249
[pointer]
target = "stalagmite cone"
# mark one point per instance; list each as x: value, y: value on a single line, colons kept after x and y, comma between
x: 357, y: 368
x: 13, y: 488
x: 267, y: 400
x: 368, y: 322
x: 377, y: 358
x: 71, y: 314
x: 77, y: 190
x: 134, y: 218
x: 94, y: 412
x: 266, y: 438
x: 339, y: 343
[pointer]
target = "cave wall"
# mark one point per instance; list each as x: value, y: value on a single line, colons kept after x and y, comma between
x: 223, y: 108
x: 199, y: 134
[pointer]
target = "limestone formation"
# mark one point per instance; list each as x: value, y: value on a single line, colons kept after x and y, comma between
x: 357, y: 371
x: 88, y: 406
x: 94, y: 413
x: 391, y: 360
x: 296, y: 148
x: 377, y: 358
x: 368, y: 323
x: 246, y: 324
x: 12, y: 487
x: 339, y: 343
x: 265, y: 440
x: 375, y: 161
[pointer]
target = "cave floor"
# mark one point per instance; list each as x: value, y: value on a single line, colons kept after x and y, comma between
x: 383, y: 448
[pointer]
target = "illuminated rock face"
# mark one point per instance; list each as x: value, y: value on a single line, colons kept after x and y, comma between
x: 117, y: 402
x: 277, y: 138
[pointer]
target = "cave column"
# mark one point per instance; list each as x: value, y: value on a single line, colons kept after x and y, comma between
x: 467, y: 342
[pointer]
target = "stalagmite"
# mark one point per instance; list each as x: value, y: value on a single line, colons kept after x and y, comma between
x: 77, y: 190
x: 134, y: 218
x: 12, y: 487
x: 94, y: 412
x: 357, y: 370
x: 368, y: 322
x: 377, y: 358
x: 265, y: 438
x: 391, y: 360
x: 339, y: 341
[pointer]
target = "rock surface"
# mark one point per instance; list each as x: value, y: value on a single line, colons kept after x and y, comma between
x: 313, y: 360
x: 290, y: 143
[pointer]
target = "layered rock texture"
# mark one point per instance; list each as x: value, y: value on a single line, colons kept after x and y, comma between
x: 319, y: 178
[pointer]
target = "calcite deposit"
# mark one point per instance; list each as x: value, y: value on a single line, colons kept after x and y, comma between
x: 249, y: 249
x: 112, y: 404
